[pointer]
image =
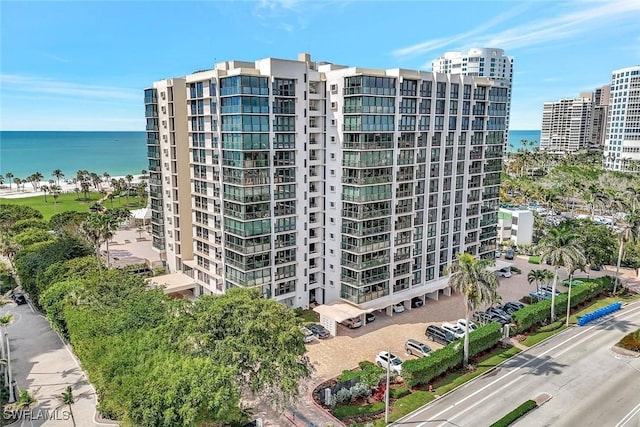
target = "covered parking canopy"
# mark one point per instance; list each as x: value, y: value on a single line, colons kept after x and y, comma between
x: 173, y: 283
x: 340, y: 311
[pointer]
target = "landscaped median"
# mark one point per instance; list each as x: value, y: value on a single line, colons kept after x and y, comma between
x: 516, y: 414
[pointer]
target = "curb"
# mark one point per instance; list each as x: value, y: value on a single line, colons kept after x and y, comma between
x: 324, y: 411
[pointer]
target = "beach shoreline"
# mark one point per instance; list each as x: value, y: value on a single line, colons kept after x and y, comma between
x: 66, y: 186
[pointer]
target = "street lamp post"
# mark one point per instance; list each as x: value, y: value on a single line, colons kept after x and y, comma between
x: 386, y: 392
x: 569, y: 298
x: 12, y: 397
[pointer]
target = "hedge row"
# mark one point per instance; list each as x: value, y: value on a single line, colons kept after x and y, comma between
x: 514, y: 415
x: 540, y: 312
x: 423, y: 370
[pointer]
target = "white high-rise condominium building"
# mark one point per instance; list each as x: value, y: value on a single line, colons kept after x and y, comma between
x: 486, y: 62
x: 318, y: 182
x: 622, y: 143
x: 566, y: 125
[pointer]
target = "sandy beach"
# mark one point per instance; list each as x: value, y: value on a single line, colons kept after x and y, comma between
x: 66, y: 186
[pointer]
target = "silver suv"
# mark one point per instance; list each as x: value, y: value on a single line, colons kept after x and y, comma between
x: 416, y: 348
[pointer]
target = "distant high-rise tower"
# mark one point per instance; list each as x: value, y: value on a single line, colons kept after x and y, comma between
x: 599, y: 113
x: 622, y: 142
x: 480, y: 62
x: 566, y: 125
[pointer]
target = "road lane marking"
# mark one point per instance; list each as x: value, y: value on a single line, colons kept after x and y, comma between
x: 619, y: 315
x: 513, y: 381
x: 629, y: 416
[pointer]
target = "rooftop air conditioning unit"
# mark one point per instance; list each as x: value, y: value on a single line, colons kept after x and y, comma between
x: 163, y: 95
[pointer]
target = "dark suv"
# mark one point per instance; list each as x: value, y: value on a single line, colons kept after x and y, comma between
x: 19, y: 298
x: 437, y: 334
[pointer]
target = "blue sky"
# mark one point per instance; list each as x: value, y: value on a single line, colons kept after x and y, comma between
x: 83, y: 65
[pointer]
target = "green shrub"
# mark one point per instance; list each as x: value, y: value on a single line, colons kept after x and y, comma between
x: 423, y: 370
x: 540, y: 312
x: 347, y: 375
x: 397, y: 393
x: 370, y: 373
x: 512, y: 416
x: 349, y: 411
x: 515, y: 269
x: 534, y: 260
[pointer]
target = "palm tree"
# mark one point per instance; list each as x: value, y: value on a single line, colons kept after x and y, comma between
x: 37, y: 177
x: 45, y: 190
x: 478, y: 286
x: 129, y: 179
x: 1, y: 179
x: 536, y: 276
x: 67, y: 398
x: 9, y: 177
x: 55, y: 192
x: 85, y: 189
x: 629, y: 232
x: 559, y: 246
x: 25, y: 402
x: 111, y: 196
x: 77, y: 191
x: 57, y: 173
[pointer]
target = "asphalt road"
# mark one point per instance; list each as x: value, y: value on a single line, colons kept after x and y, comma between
x: 589, y: 383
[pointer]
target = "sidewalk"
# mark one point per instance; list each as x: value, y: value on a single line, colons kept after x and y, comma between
x: 44, y: 366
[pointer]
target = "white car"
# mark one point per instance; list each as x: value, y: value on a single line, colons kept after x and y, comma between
x: 389, y: 361
x: 503, y: 272
x: 456, y: 330
x: 307, y: 335
x: 398, y: 308
x: 462, y: 323
x: 498, y: 253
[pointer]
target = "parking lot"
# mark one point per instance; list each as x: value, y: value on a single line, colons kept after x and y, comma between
x: 333, y: 355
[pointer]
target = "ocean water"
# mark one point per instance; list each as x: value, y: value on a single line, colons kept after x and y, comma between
x: 515, y: 136
x: 119, y: 153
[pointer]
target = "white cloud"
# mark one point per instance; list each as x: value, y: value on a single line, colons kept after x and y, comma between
x: 585, y: 17
x: 430, y: 45
x: 16, y: 83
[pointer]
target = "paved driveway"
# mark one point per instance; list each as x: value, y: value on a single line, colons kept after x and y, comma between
x: 331, y: 356
x: 42, y: 364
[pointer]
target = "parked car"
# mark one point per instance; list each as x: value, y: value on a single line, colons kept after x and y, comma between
x: 498, y: 253
x: 498, y: 312
x: 416, y: 348
x: 416, y: 302
x: 540, y: 295
x: 318, y: 330
x: 482, y: 317
x: 463, y: 324
x: 455, y: 330
x: 437, y: 334
x: 596, y: 267
x: 307, y: 335
x: 19, y: 298
x: 509, y: 254
x: 549, y: 289
x: 389, y: 361
x: 352, y: 323
x: 503, y: 272
x: 398, y: 308
x: 370, y: 317
x: 513, y: 306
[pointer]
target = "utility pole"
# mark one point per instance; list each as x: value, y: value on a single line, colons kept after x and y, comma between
x: 386, y: 392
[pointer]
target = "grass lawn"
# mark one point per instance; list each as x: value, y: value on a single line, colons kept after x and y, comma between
x: 68, y: 202
x: 535, y: 338
x: 602, y: 303
x: 309, y: 316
